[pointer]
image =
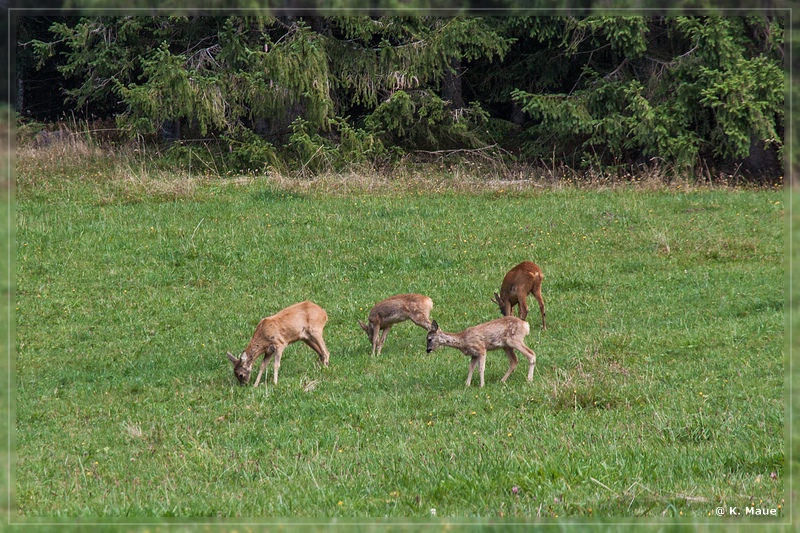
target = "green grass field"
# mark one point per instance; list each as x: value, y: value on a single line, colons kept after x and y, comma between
x: 658, y: 391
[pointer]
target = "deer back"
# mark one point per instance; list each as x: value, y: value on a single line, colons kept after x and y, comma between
x: 291, y: 324
x: 400, y: 307
x: 524, y: 276
x: 497, y: 333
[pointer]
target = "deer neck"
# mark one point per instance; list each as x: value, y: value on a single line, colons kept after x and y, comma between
x: 452, y: 340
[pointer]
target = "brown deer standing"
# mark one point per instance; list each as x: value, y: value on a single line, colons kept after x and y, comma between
x: 395, y: 309
x: 303, y: 321
x: 507, y: 333
x: 523, y: 279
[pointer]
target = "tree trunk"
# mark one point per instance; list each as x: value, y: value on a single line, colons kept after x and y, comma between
x: 451, y: 85
x: 20, y: 100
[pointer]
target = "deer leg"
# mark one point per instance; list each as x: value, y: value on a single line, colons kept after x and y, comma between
x: 512, y: 363
x: 313, y: 343
x: 323, y: 350
x: 383, y: 339
x: 523, y: 306
x: 537, y: 293
x: 530, y: 355
x: 276, y: 365
x: 376, y: 331
x: 472, y: 363
x: 262, y: 368
x: 481, y: 366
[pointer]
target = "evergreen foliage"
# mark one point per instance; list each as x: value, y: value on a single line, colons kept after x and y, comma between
x: 715, y: 91
x: 590, y: 91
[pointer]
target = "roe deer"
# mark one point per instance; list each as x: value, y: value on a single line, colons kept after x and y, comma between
x: 387, y: 313
x: 523, y: 279
x: 303, y: 321
x: 507, y: 333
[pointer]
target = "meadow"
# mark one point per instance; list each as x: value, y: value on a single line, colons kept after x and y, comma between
x: 658, y: 391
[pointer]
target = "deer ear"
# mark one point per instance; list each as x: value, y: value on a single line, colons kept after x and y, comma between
x: 363, y: 326
x: 270, y: 350
x: 232, y: 358
x: 434, y: 326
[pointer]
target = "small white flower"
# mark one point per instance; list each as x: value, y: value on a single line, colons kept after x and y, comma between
x: 433, y: 512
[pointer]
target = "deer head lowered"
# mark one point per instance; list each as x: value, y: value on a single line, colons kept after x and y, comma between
x: 506, y: 333
x: 395, y: 309
x: 303, y: 321
x: 525, y: 278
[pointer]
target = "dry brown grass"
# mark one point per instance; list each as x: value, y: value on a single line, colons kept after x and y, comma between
x: 471, y: 178
x: 129, y: 175
x: 114, y: 177
x: 133, y: 185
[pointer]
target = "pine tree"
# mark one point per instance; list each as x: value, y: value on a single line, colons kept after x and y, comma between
x: 591, y: 91
x: 675, y: 89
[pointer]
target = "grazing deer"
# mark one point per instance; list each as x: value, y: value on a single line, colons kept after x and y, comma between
x: 507, y: 333
x: 387, y: 313
x: 299, y: 322
x: 523, y: 279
